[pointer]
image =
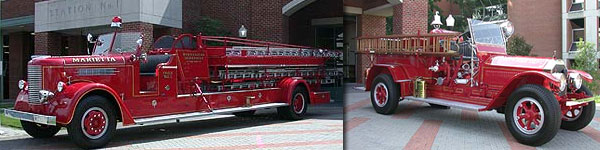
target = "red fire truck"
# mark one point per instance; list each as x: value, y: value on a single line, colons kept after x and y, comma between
x: 180, y: 77
x: 472, y: 70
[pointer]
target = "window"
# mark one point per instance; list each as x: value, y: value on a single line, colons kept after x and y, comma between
x: 578, y: 34
x: 577, y: 5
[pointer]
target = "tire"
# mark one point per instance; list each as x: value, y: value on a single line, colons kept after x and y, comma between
x: 546, y: 113
x: 298, y: 105
x: 582, y: 117
x: 385, y: 94
x: 248, y: 113
x: 88, y: 109
x: 438, y: 106
x: 39, y: 130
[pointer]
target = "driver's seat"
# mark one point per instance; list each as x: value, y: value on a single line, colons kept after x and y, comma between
x: 148, y: 68
x: 465, y: 50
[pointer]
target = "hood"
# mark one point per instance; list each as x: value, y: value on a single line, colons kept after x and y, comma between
x: 78, y: 60
x: 526, y: 62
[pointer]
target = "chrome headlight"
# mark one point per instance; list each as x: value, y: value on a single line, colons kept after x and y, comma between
x: 60, y: 86
x: 22, y: 84
x: 563, y: 80
x: 576, y: 80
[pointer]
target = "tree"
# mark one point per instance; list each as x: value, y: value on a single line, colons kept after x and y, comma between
x: 209, y: 26
x: 518, y: 46
x: 587, y: 60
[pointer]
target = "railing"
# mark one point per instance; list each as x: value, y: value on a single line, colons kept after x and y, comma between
x: 407, y: 44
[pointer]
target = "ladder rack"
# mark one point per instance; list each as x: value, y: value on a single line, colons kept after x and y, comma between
x: 407, y: 44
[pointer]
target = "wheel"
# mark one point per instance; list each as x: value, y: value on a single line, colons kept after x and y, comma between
x: 532, y: 115
x: 297, y: 107
x: 384, y: 94
x: 94, y: 123
x: 438, y: 106
x: 578, y: 118
x: 39, y: 130
x: 248, y: 113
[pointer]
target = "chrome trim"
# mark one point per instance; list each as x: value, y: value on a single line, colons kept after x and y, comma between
x: 31, y: 117
x: 581, y: 101
x: 403, y: 80
x: 244, y: 66
x: 142, y: 121
x: 169, y: 67
x: 228, y: 92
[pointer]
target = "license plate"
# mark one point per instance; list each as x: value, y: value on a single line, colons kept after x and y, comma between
x: 40, y: 119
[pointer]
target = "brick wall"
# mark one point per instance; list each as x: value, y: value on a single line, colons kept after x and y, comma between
x: 263, y: 19
x: 47, y: 43
x: 17, y: 8
x: 368, y: 25
x: 410, y: 17
x: 544, y: 22
x: 20, y: 52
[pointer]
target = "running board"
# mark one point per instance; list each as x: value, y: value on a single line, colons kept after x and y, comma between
x: 142, y: 121
x: 449, y: 103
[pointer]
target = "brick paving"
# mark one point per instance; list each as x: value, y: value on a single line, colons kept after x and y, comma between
x: 415, y: 125
x: 322, y: 129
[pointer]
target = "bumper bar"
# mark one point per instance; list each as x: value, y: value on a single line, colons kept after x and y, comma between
x: 581, y: 101
x: 31, y: 117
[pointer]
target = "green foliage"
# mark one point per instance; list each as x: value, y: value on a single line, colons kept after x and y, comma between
x: 587, y: 60
x: 9, y: 122
x: 518, y: 46
x: 209, y: 26
x: 389, y: 25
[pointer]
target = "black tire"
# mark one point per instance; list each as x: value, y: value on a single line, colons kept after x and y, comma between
x: 93, y: 106
x: 39, y: 130
x: 291, y: 112
x: 551, y: 114
x: 248, y: 113
x: 586, y: 114
x: 438, y: 106
x: 386, y: 106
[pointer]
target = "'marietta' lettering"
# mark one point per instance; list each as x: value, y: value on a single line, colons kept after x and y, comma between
x: 94, y: 60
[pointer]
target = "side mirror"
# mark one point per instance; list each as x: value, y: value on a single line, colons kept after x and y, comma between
x: 90, y: 43
x: 89, y: 38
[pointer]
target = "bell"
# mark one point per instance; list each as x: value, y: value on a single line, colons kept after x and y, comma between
x: 437, y: 21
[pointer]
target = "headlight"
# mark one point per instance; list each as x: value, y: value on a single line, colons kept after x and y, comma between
x: 22, y: 84
x: 563, y: 80
x: 576, y: 80
x: 60, y: 86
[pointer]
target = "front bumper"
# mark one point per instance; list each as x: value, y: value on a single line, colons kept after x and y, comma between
x: 31, y: 117
x: 581, y: 101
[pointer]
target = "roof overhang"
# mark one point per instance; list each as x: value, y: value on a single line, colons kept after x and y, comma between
x: 294, y: 6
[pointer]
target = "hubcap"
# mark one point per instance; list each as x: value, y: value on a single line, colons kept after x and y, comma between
x: 298, y: 103
x: 528, y: 115
x: 380, y: 94
x: 94, y: 123
x: 573, y: 114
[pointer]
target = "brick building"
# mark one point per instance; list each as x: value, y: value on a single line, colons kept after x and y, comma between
x: 58, y: 27
x: 368, y: 18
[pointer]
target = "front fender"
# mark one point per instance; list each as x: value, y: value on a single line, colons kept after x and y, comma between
x: 528, y: 77
x: 397, y: 72
x: 586, y: 76
x: 287, y: 86
x: 73, y: 94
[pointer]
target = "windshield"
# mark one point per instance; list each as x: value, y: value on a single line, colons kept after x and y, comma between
x: 486, y: 32
x: 124, y: 43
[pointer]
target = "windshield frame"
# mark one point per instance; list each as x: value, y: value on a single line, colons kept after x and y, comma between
x: 112, y: 42
x: 488, y: 47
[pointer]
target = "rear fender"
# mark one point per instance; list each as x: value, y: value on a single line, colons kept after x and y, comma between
x: 397, y: 72
x: 288, y: 85
x: 528, y: 77
x: 75, y: 92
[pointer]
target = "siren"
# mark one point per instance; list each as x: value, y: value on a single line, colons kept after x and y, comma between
x: 116, y: 22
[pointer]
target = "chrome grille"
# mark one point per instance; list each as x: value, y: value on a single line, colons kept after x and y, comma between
x: 34, y: 83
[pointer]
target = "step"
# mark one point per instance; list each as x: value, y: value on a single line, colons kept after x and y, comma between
x: 445, y: 102
x: 142, y: 121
